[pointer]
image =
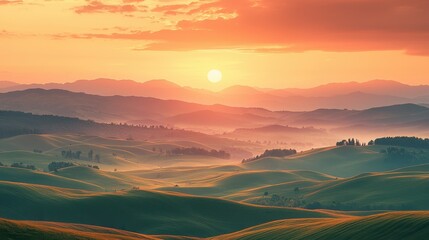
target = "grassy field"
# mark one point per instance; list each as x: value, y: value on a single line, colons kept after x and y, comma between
x: 10, y: 229
x: 228, y: 184
x: 40, y: 150
x: 337, y: 161
x: 392, y: 226
x: 140, y: 211
x: 168, y: 197
x: 42, y: 178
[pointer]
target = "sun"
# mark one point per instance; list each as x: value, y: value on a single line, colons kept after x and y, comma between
x: 214, y: 76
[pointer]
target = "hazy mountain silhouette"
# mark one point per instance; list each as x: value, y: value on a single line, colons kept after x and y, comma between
x: 404, y: 117
x: 7, y: 84
x: 106, y: 108
x: 351, y: 95
x: 377, y: 87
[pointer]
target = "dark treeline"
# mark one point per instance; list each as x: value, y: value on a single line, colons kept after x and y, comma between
x: 55, y: 166
x: 22, y: 165
x: 298, y: 200
x: 70, y: 154
x: 272, y: 153
x: 200, y: 151
x: 413, y: 142
x: 11, y: 131
x: 400, y: 154
x: 78, y: 155
x: 350, y: 142
x: 13, y: 123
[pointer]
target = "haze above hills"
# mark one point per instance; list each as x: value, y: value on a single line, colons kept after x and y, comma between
x: 319, y: 127
x: 157, y: 170
x: 350, y: 95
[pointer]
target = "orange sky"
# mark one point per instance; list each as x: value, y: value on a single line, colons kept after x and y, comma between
x: 265, y: 43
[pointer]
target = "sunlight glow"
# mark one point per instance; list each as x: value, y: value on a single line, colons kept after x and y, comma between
x: 214, y: 76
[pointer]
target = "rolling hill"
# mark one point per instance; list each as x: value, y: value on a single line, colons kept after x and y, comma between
x: 36, y: 230
x: 344, y: 161
x: 231, y: 184
x: 41, y: 149
x: 393, y: 226
x: 18, y: 123
x: 41, y: 178
x: 140, y: 211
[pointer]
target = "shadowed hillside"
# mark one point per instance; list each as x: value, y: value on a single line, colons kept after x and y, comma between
x: 140, y: 211
x: 343, y: 161
x: 393, y: 226
x: 10, y: 229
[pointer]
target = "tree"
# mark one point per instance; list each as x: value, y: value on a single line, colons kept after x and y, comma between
x: 97, y: 158
x: 296, y: 190
x: 77, y: 154
x: 90, y: 155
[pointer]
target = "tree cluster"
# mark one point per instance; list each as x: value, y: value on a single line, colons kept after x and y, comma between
x: 350, y: 142
x: 55, y: 166
x: 92, y: 157
x: 11, y: 131
x: 399, y: 154
x: 78, y: 155
x: 70, y: 154
x: 413, y: 142
x: 200, y: 152
x: 272, y: 153
x: 21, y: 165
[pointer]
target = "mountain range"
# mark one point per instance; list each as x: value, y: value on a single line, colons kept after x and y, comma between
x: 350, y: 95
x: 387, y: 120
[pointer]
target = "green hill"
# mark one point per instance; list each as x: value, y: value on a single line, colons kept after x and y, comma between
x: 41, y: 178
x: 140, y: 211
x: 232, y: 183
x: 415, y: 168
x: 106, y: 180
x: 10, y: 229
x: 41, y: 149
x: 369, y: 191
x: 343, y: 161
x: 392, y: 190
x: 392, y: 226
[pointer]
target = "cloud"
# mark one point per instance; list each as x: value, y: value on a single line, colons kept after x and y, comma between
x: 95, y: 6
x: 291, y: 25
x: 4, y: 2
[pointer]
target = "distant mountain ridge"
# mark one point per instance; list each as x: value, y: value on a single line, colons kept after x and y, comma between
x: 391, y: 119
x: 350, y: 95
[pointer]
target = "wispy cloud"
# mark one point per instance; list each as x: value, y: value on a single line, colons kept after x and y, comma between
x: 125, y: 6
x: 281, y: 25
x: 4, y: 2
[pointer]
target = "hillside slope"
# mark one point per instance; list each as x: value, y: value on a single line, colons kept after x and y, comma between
x: 139, y: 211
x: 343, y: 161
x: 10, y: 229
x: 392, y: 226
